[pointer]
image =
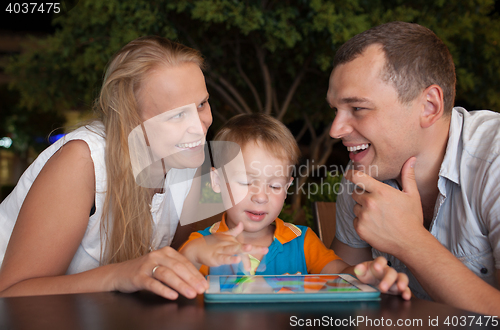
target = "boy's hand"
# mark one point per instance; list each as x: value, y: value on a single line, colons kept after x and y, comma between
x: 223, y: 248
x: 385, y: 278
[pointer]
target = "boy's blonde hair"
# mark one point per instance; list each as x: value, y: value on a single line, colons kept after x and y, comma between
x: 269, y: 132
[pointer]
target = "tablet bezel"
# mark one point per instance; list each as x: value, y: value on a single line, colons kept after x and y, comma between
x: 354, y: 281
x: 214, y: 295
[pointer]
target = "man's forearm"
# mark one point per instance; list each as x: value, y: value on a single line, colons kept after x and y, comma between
x: 446, y: 279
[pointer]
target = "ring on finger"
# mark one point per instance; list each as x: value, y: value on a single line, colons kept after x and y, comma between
x: 154, y: 270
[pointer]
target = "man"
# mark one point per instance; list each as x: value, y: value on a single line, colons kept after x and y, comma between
x: 427, y: 175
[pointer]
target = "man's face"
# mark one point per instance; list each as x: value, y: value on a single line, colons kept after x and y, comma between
x: 379, y: 132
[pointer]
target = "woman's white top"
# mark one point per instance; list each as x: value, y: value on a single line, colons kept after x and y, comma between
x: 165, y: 208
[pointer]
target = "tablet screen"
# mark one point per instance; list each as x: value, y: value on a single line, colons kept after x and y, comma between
x: 285, y: 284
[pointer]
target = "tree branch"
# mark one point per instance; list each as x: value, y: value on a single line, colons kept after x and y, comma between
x: 293, y: 88
x: 275, y: 101
x: 267, y: 79
x: 247, y: 80
x: 324, y: 138
x: 316, y: 143
x: 219, y: 115
x: 310, y: 127
x: 234, y: 92
x: 225, y: 95
x: 301, y: 133
x: 328, y: 150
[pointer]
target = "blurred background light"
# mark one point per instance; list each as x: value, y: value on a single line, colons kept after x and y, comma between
x: 6, y: 142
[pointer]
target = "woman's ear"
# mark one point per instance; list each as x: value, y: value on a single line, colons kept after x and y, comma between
x: 215, y: 180
x: 433, y: 106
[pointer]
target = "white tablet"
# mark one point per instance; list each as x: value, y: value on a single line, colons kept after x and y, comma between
x: 288, y: 288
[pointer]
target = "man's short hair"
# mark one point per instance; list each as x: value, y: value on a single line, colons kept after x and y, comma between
x: 269, y: 132
x: 415, y: 59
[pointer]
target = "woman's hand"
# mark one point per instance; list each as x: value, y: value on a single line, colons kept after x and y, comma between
x: 384, y: 277
x: 164, y: 272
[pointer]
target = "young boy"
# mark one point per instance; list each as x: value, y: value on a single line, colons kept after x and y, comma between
x: 254, y: 195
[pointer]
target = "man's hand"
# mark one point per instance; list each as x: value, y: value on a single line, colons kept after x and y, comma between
x: 387, y: 218
x: 392, y: 221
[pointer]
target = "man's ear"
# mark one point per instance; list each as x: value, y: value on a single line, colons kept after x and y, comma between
x: 215, y: 180
x: 433, y: 106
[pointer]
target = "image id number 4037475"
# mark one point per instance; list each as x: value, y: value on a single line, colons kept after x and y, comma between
x: 467, y: 321
x: 33, y: 8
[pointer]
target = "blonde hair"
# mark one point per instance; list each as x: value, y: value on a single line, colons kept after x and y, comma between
x: 274, y: 136
x: 126, y: 224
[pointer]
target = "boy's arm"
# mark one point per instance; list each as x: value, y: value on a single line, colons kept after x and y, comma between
x: 212, y: 250
x: 336, y: 267
x: 318, y: 256
x: 220, y: 249
x: 191, y: 247
x: 350, y: 255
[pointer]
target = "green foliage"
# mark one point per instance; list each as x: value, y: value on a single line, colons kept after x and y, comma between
x: 470, y: 29
x: 27, y: 129
x: 208, y: 195
x: 256, y: 50
x: 328, y: 188
x: 287, y: 214
x: 65, y: 70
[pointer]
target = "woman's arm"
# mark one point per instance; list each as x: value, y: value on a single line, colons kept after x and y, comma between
x: 52, y: 219
x: 50, y: 227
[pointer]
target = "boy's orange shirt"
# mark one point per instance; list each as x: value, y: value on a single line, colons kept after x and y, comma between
x: 316, y: 254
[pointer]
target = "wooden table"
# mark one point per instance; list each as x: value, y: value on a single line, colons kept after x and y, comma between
x: 110, y: 310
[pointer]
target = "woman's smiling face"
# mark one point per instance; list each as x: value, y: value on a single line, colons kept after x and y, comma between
x: 176, y: 113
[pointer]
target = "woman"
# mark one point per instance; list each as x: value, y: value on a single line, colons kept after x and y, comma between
x: 48, y: 242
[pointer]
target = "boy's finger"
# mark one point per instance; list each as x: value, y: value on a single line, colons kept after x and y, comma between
x: 236, y: 230
x: 231, y: 249
x: 245, y: 259
x: 246, y: 247
x: 228, y: 259
x: 257, y: 249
